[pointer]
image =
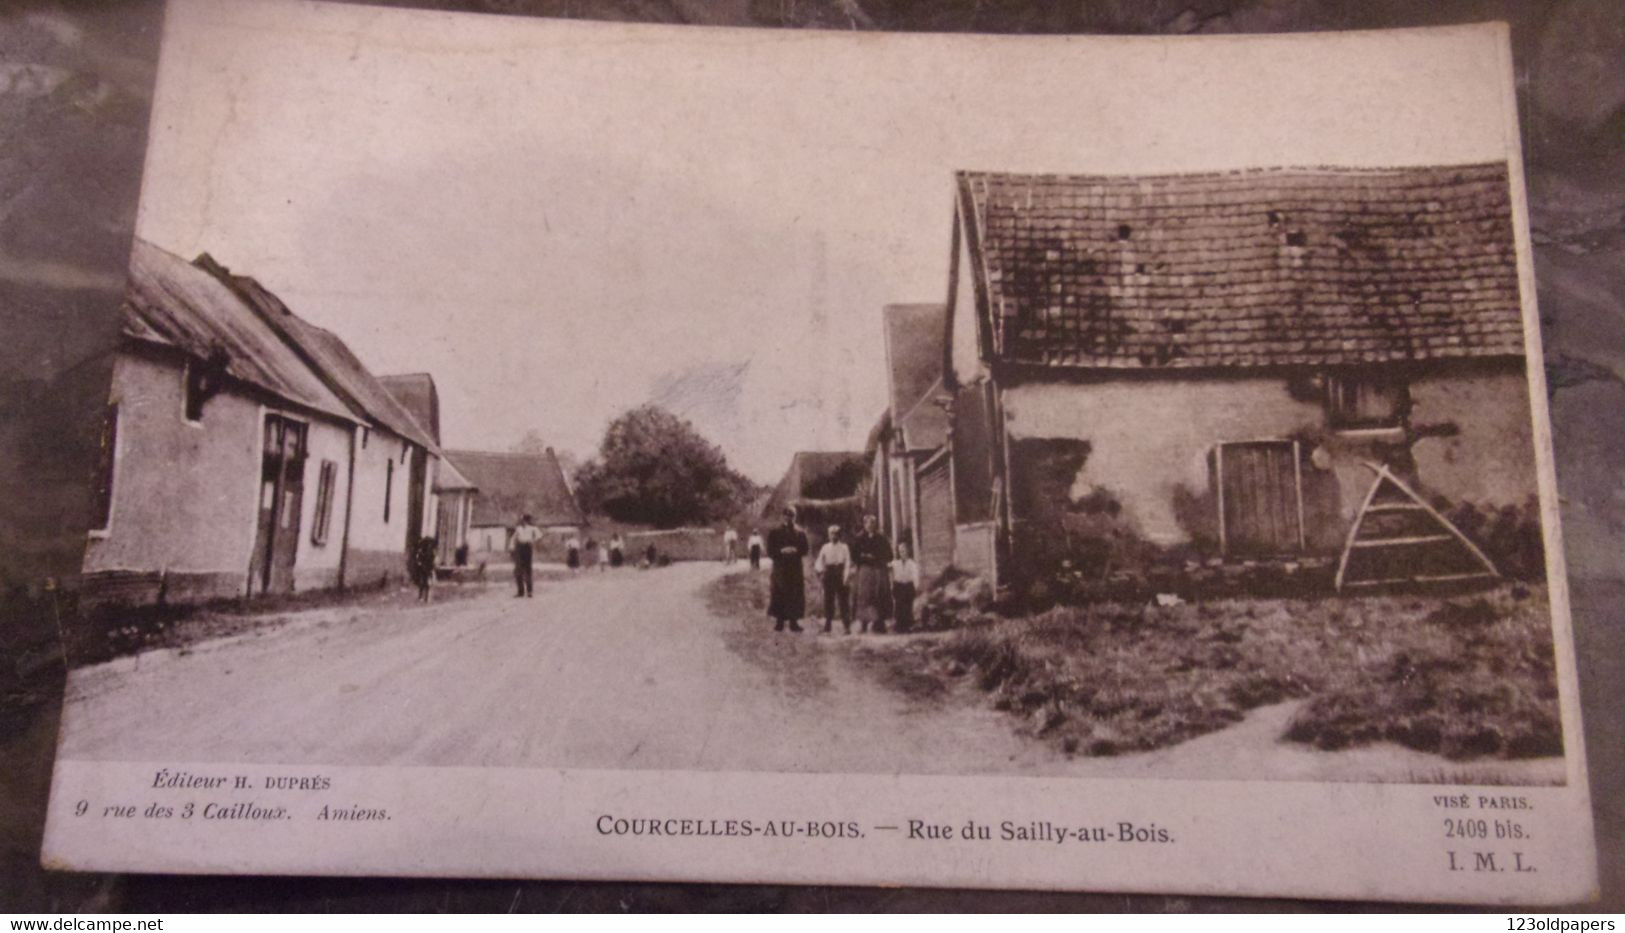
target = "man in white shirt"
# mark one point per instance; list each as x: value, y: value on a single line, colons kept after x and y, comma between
x: 525, y: 536
x: 833, y: 566
x: 730, y: 543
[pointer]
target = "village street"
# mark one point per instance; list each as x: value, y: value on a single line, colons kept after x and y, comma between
x: 626, y: 669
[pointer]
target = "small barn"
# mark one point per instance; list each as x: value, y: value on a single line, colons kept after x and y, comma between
x: 909, y: 470
x: 1221, y: 365
x: 826, y: 487
x: 510, y: 486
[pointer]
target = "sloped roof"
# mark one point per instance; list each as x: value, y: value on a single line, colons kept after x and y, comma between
x: 512, y: 484
x: 915, y: 335
x: 819, y: 475
x: 172, y: 302
x: 417, y: 394
x: 344, y: 373
x: 450, y: 479
x: 1240, y: 269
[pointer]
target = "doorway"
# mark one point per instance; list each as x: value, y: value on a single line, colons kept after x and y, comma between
x: 282, y: 493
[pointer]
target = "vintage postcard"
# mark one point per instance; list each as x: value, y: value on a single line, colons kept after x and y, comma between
x: 558, y: 449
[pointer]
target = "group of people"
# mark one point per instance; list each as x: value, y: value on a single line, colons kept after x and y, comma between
x: 577, y: 554
x: 864, y: 578
x: 755, y: 547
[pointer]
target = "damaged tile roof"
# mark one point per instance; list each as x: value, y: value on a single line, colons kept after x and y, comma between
x: 171, y: 302
x: 512, y: 484
x: 1303, y: 266
x: 915, y: 335
x: 329, y: 356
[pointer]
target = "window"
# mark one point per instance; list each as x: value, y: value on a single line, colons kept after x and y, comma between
x: 325, y: 481
x: 106, y: 461
x: 192, y: 407
x: 389, y: 486
x: 1357, y: 402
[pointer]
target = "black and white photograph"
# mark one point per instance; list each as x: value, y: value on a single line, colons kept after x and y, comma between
x: 938, y: 407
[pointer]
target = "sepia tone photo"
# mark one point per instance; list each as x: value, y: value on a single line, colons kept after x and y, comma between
x: 512, y: 403
x: 1225, y: 474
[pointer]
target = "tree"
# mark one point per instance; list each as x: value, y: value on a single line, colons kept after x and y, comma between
x: 654, y: 468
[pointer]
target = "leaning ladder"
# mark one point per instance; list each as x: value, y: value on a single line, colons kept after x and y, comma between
x: 1445, y: 534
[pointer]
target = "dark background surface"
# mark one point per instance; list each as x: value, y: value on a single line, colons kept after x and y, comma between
x: 75, y: 91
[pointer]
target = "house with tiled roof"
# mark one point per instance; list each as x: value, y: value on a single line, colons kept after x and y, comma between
x: 510, y: 486
x: 1219, y: 362
x: 245, y: 451
x: 909, y: 471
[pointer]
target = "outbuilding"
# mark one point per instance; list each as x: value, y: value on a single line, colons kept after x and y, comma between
x: 1222, y: 365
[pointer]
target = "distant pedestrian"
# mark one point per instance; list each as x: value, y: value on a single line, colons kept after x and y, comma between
x: 755, y: 546
x: 525, y: 536
x: 617, y: 550
x: 603, y: 557
x: 730, y: 544
x: 905, y: 585
x: 787, y: 601
x: 871, y: 590
x: 420, y: 565
x: 833, y: 568
x: 651, y: 554
x: 572, y: 553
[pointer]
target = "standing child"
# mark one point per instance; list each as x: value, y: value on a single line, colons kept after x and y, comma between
x: 905, y: 583
x: 572, y: 553
x: 756, y: 547
x: 421, y: 566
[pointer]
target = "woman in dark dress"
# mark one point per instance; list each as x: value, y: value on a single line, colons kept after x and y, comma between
x: 787, y: 546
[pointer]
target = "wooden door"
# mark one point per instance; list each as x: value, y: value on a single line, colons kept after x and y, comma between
x: 282, y: 491
x: 936, y: 526
x: 415, y: 492
x: 1260, y: 504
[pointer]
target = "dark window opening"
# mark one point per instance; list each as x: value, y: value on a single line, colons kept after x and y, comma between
x: 1275, y: 218
x: 194, y: 394
x: 325, y: 482
x: 1297, y: 238
x: 106, y: 463
x: 1356, y: 402
x: 389, y: 486
x: 1123, y: 231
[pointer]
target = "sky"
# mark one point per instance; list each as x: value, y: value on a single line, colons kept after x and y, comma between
x: 561, y: 220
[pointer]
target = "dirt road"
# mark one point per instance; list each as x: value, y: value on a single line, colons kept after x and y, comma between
x: 627, y: 669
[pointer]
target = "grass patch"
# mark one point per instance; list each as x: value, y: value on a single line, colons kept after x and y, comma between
x: 1464, y: 678
x: 108, y: 632
x: 791, y: 662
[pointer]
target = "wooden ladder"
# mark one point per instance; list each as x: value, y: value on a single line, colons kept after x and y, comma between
x: 1422, y: 528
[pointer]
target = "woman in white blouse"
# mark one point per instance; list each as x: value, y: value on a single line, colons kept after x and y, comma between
x: 905, y: 583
